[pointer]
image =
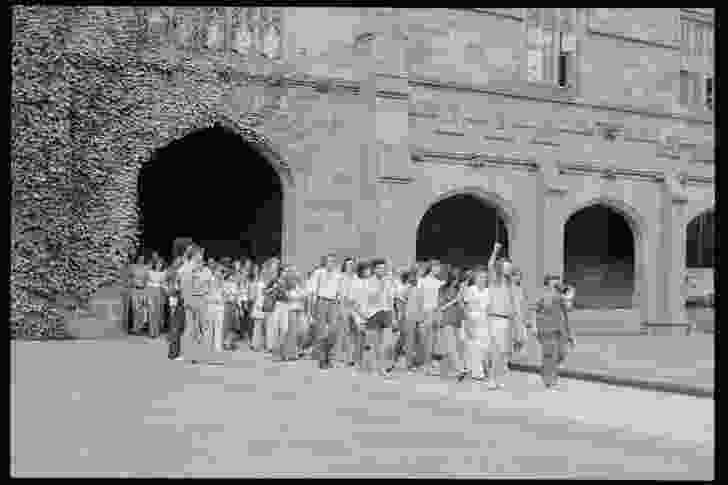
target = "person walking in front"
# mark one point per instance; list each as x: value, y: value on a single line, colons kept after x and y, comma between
x: 325, y: 286
x: 553, y: 330
x: 359, y: 310
x: 522, y: 322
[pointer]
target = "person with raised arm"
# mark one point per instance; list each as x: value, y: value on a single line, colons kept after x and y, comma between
x: 476, y: 299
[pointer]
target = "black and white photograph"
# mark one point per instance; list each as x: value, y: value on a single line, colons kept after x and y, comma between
x: 362, y: 242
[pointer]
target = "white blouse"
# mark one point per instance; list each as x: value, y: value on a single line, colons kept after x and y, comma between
x: 476, y: 300
x: 155, y: 279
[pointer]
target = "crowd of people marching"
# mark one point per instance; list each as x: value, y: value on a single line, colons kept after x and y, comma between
x: 365, y: 315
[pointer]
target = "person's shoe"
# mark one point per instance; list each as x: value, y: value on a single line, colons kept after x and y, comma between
x: 178, y: 358
x: 461, y: 376
x: 492, y: 386
x: 500, y: 386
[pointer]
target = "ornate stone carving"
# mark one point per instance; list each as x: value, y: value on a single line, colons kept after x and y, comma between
x: 675, y: 180
x: 214, y: 32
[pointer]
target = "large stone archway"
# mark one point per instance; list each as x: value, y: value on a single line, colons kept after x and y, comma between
x: 170, y: 132
x: 230, y: 200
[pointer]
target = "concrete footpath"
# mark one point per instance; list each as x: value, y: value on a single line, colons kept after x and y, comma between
x: 674, y: 364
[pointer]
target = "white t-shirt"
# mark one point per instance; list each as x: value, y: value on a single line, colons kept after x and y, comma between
x: 325, y: 284
x: 476, y: 300
x: 429, y: 286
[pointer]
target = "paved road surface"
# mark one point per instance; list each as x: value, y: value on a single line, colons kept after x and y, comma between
x: 676, y: 359
x: 121, y: 409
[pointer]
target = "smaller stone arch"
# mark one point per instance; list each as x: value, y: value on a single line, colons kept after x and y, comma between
x: 637, y: 225
x: 504, y: 210
x: 635, y: 220
x: 503, y: 207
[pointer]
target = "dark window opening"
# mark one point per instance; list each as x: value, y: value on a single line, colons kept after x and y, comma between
x: 701, y: 241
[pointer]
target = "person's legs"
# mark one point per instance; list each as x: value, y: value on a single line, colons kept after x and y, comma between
x: 408, y: 331
x: 549, y: 358
x: 384, y: 348
x: 269, y: 323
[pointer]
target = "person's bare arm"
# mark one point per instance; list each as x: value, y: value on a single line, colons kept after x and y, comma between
x: 493, y: 256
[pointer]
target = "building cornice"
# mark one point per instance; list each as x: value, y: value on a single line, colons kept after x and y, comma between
x: 698, y: 15
x: 634, y: 40
x: 576, y: 167
x: 470, y: 88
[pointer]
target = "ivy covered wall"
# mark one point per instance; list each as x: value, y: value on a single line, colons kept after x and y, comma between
x: 87, y: 112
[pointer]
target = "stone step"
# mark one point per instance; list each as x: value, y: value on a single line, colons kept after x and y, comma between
x: 605, y: 322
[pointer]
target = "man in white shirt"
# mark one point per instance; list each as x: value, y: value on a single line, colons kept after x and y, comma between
x: 380, y: 319
x: 429, y: 289
x: 325, y: 293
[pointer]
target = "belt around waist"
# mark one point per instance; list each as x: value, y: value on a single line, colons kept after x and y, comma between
x: 327, y: 299
x: 498, y: 315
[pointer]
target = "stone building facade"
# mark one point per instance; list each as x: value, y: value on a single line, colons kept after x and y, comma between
x: 373, y: 115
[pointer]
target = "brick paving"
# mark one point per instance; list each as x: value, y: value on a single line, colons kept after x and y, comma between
x: 119, y: 408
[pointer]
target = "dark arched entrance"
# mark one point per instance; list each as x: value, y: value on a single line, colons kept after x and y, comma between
x: 701, y: 269
x: 215, y: 188
x: 701, y: 241
x: 599, y: 258
x: 461, y: 230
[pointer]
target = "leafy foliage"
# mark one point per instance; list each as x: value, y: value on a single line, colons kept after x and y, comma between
x: 87, y: 110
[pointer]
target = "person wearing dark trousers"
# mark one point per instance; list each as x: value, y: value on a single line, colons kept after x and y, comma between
x: 553, y: 331
x: 176, y: 326
x: 325, y: 287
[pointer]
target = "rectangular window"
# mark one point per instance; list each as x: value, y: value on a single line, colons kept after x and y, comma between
x: 552, y: 44
x: 684, y: 88
x: 709, y: 92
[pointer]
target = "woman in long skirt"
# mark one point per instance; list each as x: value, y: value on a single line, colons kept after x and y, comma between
x: 156, y: 277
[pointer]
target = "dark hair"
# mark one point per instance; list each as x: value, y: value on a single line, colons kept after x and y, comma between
x: 377, y: 262
x: 361, y: 267
x: 550, y: 277
x: 343, y: 264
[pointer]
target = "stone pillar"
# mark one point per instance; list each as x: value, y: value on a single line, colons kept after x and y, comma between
x: 367, y: 210
x: 672, y: 257
x: 552, y: 236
